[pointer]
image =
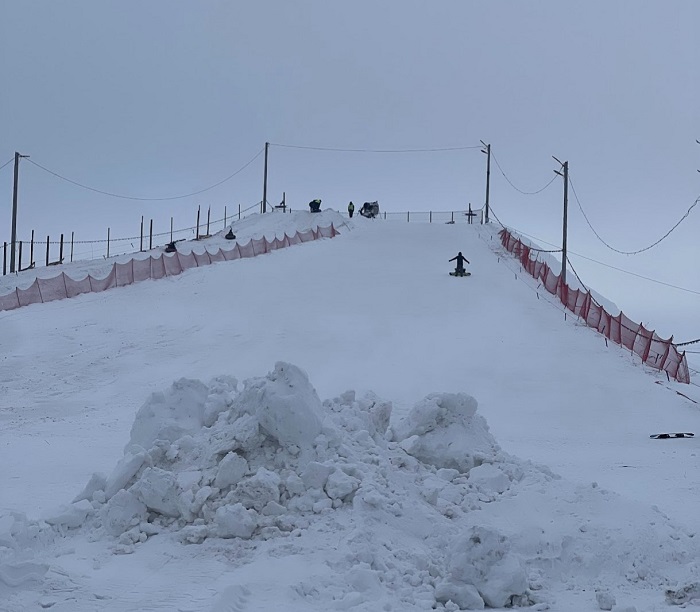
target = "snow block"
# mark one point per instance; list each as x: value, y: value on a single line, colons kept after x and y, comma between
x: 286, y: 405
x: 158, y: 489
x: 444, y: 430
x: 170, y: 415
x: 235, y: 522
x: 71, y: 516
x: 232, y: 469
x: 122, y: 512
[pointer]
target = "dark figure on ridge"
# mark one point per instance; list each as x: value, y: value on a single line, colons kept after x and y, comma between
x: 459, y: 270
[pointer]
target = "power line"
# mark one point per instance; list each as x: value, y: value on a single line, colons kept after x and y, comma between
x: 125, y: 197
x: 7, y: 162
x: 288, y: 146
x: 632, y: 273
x: 517, y: 188
x: 653, y: 280
x: 529, y: 246
x: 675, y: 344
x: 697, y: 200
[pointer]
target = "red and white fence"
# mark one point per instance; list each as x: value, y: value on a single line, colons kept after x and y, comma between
x: 653, y: 350
x: 137, y: 270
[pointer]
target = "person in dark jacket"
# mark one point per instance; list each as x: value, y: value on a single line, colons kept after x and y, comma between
x: 460, y: 262
x: 315, y: 206
x: 351, y: 209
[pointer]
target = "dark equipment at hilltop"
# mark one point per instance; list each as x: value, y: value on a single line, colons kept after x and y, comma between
x: 315, y: 206
x: 370, y: 209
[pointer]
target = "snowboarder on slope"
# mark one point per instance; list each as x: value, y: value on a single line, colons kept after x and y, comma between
x: 460, y: 262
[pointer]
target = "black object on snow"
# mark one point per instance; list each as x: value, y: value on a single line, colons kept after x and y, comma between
x: 170, y: 247
x: 665, y: 436
x: 230, y: 235
x: 370, y: 209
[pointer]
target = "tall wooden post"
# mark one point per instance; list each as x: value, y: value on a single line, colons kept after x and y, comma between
x: 565, y: 175
x: 488, y: 178
x: 13, y: 239
x: 264, y: 200
x: 566, y: 210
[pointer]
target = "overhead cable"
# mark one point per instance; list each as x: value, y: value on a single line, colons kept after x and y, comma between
x: 517, y: 188
x: 125, y: 197
x: 288, y: 146
x: 653, y: 280
x: 693, y: 205
x: 7, y: 162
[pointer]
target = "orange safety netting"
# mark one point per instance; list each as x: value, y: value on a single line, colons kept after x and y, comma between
x: 654, y: 351
x: 136, y: 270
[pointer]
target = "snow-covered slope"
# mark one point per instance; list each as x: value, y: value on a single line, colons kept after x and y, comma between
x: 438, y: 506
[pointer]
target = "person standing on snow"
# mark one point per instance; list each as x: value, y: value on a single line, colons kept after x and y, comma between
x: 351, y: 209
x: 460, y: 262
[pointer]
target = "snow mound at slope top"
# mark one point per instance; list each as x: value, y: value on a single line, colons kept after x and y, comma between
x: 430, y: 513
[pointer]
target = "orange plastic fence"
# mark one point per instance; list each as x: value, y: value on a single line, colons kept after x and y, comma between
x: 136, y: 270
x: 654, y: 351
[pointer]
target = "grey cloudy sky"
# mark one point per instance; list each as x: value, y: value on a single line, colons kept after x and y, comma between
x: 156, y: 99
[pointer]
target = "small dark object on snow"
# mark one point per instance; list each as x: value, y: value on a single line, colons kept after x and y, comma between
x: 370, y: 209
x: 170, y: 247
x: 230, y: 235
x: 665, y: 436
x: 315, y: 206
x: 461, y: 273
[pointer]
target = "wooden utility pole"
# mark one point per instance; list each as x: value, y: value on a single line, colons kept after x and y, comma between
x: 488, y: 177
x: 13, y: 239
x: 565, y: 174
x: 264, y: 200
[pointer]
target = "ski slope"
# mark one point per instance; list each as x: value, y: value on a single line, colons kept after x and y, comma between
x: 373, y: 310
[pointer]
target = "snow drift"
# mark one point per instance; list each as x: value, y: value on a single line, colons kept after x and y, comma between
x: 424, y: 508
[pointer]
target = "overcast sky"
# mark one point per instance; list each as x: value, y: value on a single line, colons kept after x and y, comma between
x: 158, y: 99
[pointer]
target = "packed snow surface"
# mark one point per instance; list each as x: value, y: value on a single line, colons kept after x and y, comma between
x: 260, y: 490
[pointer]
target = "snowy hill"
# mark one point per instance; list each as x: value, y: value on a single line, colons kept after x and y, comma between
x: 222, y: 487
